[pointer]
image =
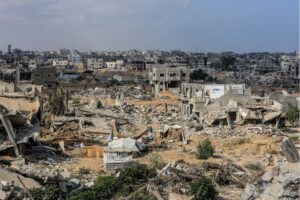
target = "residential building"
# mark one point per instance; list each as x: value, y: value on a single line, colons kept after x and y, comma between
x: 45, y: 76
x: 164, y: 77
x: 290, y: 65
x: 59, y: 62
x: 74, y: 57
x: 118, y: 64
x: 95, y: 64
x: 266, y: 66
x: 111, y: 65
x: 137, y: 65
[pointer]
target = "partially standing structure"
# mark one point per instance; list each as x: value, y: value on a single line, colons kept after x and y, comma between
x: 164, y: 77
x: 194, y: 96
x: 20, y: 114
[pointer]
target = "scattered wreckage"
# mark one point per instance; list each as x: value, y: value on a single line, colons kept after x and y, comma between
x: 282, y: 181
x: 242, y: 110
x: 120, y: 133
x: 20, y: 114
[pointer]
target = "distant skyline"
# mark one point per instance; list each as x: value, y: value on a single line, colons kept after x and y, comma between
x: 188, y: 25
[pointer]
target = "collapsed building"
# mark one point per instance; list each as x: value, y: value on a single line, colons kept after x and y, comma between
x: 194, y: 96
x: 20, y: 114
x: 214, y: 104
x: 241, y: 110
x: 164, y: 77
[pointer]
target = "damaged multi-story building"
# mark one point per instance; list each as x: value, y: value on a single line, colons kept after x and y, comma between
x: 20, y: 114
x: 194, y: 96
x: 291, y: 67
x: 43, y: 75
x: 164, y: 77
x: 230, y: 104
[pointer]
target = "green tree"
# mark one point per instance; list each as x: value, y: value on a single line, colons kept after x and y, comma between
x: 293, y: 113
x: 199, y: 74
x: 203, y: 189
x: 49, y: 192
x: 85, y: 194
x: 205, y: 150
x: 56, y: 102
x: 106, y: 187
x: 131, y: 177
x: 226, y: 61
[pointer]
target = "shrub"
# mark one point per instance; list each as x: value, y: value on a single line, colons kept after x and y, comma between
x: 49, y: 192
x: 286, y: 130
x: 86, y: 194
x: 294, y: 137
x: 241, y: 141
x: 129, y: 178
x: 199, y: 74
x: 105, y: 187
x: 203, y: 188
x: 113, y: 82
x: 205, y: 150
x: 156, y: 161
x: 139, y: 173
x: 108, y: 187
x: 254, y: 166
x: 56, y: 102
x: 83, y: 171
x: 293, y: 113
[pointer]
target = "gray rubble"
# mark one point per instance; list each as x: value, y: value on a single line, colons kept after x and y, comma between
x: 282, y: 182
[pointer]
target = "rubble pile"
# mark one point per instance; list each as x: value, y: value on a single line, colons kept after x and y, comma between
x: 103, y: 131
x: 13, y: 184
x: 42, y: 171
x: 175, y: 177
x: 281, y: 182
x: 69, y: 129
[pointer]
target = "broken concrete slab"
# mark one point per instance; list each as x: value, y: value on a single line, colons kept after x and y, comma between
x: 11, y: 177
x: 282, y: 182
x: 289, y: 151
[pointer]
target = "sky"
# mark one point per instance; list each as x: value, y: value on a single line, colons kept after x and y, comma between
x: 189, y: 25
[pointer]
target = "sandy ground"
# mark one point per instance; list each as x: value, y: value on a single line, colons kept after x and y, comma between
x: 163, y: 97
x: 253, y: 150
x: 94, y: 164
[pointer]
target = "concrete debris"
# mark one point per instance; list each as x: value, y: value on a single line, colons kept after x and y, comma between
x: 107, y: 128
x: 20, y: 114
x: 44, y: 173
x: 289, y: 151
x: 13, y: 184
x: 281, y: 182
x: 174, y: 178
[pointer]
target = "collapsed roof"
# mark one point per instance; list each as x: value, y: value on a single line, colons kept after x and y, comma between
x: 20, y: 114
